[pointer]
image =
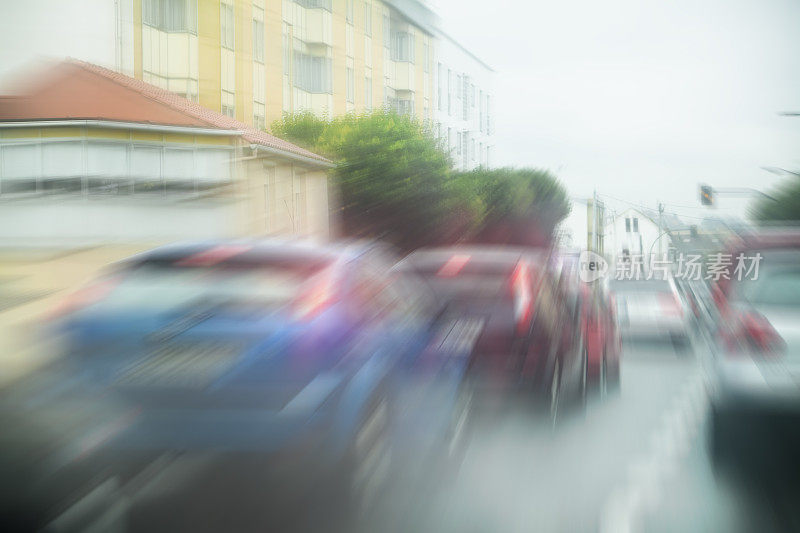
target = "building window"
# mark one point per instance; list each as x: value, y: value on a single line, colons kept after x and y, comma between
x: 227, y: 24
x: 228, y: 103
x: 449, y: 92
x: 627, y: 225
x: 403, y: 106
x: 170, y: 15
x: 635, y: 225
x: 367, y: 19
x: 350, y: 82
x: 314, y: 4
x: 368, y: 93
x: 258, y: 34
x: 403, y: 47
x: 439, y: 83
x: 312, y: 73
x: 425, y: 56
x: 488, y: 117
x: 387, y: 31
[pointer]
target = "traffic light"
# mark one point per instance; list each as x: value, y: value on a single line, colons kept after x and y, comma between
x: 706, y: 195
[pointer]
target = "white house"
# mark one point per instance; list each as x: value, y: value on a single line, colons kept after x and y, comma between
x: 635, y: 233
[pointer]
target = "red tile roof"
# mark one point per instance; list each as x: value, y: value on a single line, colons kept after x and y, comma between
x: 76, y: 90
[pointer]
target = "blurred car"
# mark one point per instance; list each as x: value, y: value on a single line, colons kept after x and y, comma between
x: 652, y: 308
x: 592, y: 307
x: 290, y: 351
x: 527, y: 337
x: 755, y: 401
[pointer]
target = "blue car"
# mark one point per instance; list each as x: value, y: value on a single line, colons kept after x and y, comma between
x: 307, y: 354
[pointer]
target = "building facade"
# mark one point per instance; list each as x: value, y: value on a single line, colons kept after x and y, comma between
x: 255, y: 60
x: 463, y: 102
x: 92, y: 157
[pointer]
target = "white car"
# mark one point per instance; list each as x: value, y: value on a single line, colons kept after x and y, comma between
x: 652, y: 308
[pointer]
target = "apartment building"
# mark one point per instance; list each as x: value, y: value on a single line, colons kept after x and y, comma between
x: 463, y: 101
x: 252, y: 60
x: 255, y: 60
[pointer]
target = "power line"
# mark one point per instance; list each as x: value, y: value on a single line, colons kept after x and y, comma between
x: 640, y: 206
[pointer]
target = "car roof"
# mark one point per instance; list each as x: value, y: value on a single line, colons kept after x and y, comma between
x: 766, y: 238
x: 255, y: 250
x: 479, y: 253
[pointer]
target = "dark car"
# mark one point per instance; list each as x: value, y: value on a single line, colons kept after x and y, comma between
x: 755, y: 401
x: 527, y: 338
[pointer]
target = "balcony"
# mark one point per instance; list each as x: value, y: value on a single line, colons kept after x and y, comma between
x: 404, y: 76
x: 318, y: 26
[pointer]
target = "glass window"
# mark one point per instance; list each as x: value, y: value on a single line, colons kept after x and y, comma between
x: 226, y: 26
x: 170, y: 15
x: 258, y: 36
x: 146, y: 169
x: 367, y: 19
x: 61, y: 159
x: 350, y: 81
x: 627, y: 225
x: 403, y: 49
x: 635, y: 225
x: 213, y: 165
x: 387, y: 31
x: 313, y: 4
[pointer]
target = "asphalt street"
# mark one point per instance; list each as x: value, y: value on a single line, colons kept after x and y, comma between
x: 634, y: 460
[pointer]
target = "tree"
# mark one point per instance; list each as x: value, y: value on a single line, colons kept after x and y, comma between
x: 395, y: 182
x: 390, y: 173
x: 522, y: 205
x: 304, y: 129
x: 784, y: 207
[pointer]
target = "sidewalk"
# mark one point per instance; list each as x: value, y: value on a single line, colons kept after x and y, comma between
x: 32, y: 283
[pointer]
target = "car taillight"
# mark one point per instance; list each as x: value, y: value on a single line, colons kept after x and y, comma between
x: 313, y: 299
x: 522, y: 292
x: 751, y: 332
x: 85, y: 296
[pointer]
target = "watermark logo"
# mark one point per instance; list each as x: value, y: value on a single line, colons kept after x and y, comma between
x: 713, y: 267
x: 591, y: 266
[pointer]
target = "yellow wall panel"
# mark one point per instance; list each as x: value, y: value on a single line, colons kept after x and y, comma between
x: 62, y: 132
x: 208, y: 29
x: 108, y: 133
x: 146, y: 136
x: 22, y: 133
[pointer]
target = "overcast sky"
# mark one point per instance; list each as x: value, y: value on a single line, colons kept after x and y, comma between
x: 639, y: 99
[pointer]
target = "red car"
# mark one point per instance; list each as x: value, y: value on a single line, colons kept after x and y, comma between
x: 594, y: 311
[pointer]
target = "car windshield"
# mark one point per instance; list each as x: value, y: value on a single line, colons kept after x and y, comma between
x: 164, y: 286
x: 472, y: 279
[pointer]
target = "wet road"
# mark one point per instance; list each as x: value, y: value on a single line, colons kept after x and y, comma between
x: 635, y: 460
x: 593, y: 472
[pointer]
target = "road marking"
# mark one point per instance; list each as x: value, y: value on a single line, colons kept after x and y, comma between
x: 669, y: 443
